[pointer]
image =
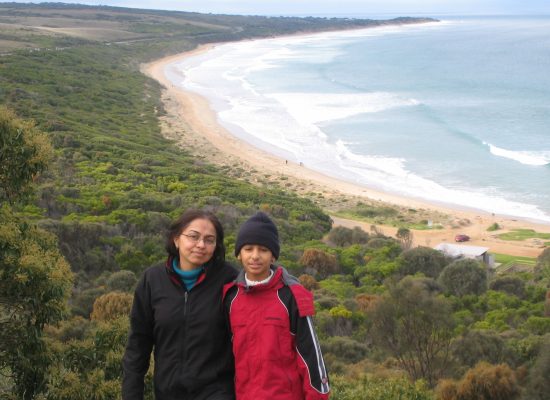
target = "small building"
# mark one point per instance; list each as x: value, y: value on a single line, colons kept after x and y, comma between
x: 465, y: 251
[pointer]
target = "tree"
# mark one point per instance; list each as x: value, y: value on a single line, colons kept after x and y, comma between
x: 415, y: 326
x: 318, y: 263
x: 35, y: 279
x: 24, y: 153
x: 405, y: 237
x: 35, y: 282
x: 464, y: 276
x: 423, y: 260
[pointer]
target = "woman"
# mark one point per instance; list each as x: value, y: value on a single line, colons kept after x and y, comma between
x: 177, y: 312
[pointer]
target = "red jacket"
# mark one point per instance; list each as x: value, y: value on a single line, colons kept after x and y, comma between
x: 277, y: 354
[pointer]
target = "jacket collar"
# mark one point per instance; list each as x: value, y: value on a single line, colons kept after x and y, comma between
x: 273, y: 282
x: 176, y: 279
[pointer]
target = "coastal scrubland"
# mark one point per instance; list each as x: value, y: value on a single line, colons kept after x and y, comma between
x: 89, y: 184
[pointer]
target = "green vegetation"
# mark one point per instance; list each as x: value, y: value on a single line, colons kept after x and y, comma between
x: 385, y: 214
x: 393, y: 322
x: 523, y: 234
x: 493, y: 227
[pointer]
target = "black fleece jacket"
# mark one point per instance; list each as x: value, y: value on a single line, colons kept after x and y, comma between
x: 188, y: 332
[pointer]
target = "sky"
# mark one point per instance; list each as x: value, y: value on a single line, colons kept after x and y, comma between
x: 363, y: 8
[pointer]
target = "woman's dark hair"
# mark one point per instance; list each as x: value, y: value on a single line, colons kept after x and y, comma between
x: 184, y: 220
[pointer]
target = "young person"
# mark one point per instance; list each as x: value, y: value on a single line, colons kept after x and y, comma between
x: 177, y: 312
x: 277, y: 354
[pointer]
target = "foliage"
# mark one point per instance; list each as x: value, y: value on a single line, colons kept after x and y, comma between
x: 344, y: 349
x: 352, y: 257
x: 309, y: 282
x: 422, y: 260
x: 415, y: 326
x: 463, y: 277
x: 494, y: 227
x: 542, y: 268
x: 123, y: 281
x: 405, y: 237
x: 319, y: 263
x: 509, y: 284
x: 538, y: 385
x: 523, y: 234
x: 342, y: 236
x: 111, y: 306
x: 378, y: 389
x: 475, y: 346
x: 35, y: 282
x: 24, y: 152
x: 483, y: 382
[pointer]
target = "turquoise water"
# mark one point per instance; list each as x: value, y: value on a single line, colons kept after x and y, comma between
x: 455, y: 112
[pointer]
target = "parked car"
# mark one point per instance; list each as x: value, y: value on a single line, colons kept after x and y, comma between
x: 462, y: 238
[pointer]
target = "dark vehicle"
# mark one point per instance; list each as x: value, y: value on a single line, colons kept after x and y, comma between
x: 462, y: 238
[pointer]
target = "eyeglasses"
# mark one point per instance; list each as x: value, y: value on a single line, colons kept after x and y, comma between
x: 196, y: 238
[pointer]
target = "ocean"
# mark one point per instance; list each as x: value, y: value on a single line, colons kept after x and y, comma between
x: 455, y: 112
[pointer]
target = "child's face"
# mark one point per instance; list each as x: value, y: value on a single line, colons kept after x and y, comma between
x: 256, y: 260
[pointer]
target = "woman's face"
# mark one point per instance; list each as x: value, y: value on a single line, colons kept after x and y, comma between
x: 196, y: 244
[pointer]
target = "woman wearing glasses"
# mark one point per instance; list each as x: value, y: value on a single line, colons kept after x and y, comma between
x: 177, y: 313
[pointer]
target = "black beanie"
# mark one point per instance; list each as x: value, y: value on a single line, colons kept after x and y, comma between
x: 258, y: 229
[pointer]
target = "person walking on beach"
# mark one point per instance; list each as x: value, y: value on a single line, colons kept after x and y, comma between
x: 177, y: 312
x: 277, y: 354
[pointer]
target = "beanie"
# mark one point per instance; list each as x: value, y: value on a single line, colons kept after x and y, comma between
x: 258, y: 229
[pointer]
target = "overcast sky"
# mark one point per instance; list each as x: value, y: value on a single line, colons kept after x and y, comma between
x: 338, y: 7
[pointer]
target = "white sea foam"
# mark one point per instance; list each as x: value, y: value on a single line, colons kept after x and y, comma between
x: 313, y: 108
x: 391, y: 175
x: 524, y: 157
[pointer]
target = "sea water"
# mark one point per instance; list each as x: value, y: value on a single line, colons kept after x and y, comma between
x: 455, y: 112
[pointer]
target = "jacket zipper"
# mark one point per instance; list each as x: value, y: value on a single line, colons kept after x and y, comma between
x: 185, y: 303
x: 184, y: 341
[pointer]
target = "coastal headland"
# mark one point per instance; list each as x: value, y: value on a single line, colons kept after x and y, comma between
x: 190, y: 121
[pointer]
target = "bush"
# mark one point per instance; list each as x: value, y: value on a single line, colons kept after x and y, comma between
x: 463, y: 277
x: 318, y: 263
x: 476, y: 346
x: 342, y: 236
x: 345, y: 349
x: 538, y: 385
x: 111, y: 306
x: 122, y: 281
x: 488, y: 382
x: 423, y: 260
x: 377, y: 389
x: 509, y: 284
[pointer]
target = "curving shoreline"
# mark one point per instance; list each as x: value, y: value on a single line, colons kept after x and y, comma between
x: 191, y: 122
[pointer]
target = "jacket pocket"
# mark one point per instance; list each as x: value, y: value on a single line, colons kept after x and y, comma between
x: 276, y: 339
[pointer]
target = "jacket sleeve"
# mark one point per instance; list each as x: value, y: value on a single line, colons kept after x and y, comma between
x: 135, y: 362
x: 311, y: 365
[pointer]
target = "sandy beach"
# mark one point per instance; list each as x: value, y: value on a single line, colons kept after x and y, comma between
x: 192, y: 124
